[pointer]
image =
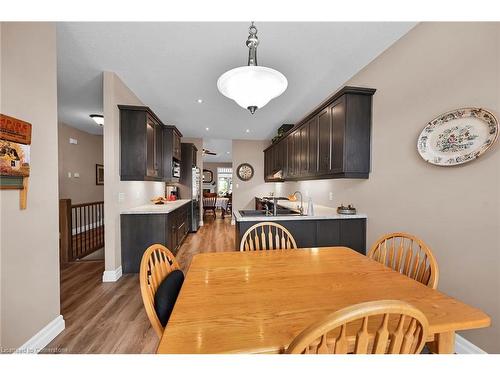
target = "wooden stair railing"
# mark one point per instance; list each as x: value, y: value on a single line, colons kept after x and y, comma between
x: 81, y: 229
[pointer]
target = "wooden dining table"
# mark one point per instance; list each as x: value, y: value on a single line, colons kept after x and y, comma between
x: 257, y: 302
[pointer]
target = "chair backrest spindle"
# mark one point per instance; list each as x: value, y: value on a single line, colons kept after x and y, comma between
x: 379, y: 327
x: 408, y: 255
x: 267, y: 236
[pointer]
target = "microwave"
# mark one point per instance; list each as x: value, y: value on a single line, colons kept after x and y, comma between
x: 176, y: 169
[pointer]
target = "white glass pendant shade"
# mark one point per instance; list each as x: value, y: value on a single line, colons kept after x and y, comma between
x: 252, y: 86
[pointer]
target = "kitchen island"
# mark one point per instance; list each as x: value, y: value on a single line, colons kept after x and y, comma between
x: 143, y: 226
x: 325, y: 228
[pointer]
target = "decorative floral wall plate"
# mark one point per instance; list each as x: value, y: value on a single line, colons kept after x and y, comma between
x: 458, y: 136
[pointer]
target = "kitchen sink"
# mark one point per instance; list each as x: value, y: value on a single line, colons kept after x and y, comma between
x: 279, y: 212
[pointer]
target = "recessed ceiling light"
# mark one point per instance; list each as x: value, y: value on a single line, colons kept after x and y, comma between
x: 99, y: 119
x: 207, y: 129
x: 248, y: 130
x: 199, y: 101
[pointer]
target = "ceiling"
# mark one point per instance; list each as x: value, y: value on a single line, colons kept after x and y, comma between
x: 169, y: 65
x: 223, y: 148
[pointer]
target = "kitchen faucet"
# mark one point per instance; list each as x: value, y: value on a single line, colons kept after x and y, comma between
x: 301, y: 209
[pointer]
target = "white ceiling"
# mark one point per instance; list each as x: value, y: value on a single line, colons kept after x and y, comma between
x: 170, y: 65
x: 223, y: 148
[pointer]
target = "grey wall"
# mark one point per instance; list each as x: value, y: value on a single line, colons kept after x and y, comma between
x: 213, y: 167
x: 435, y: 68
x: 135, y: 193
x: 81, y: 158
x: 244, y: 192
x: 29, y: 239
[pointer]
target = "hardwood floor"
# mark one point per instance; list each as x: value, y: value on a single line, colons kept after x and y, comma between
x: 110, y: 317
x: 215, y: 236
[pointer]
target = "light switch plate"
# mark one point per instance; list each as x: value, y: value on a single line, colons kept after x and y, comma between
x: 76, y: 175
x: 69, y: 174
x: 121, y: 197
x: 73, y: 141
x: 330, y: 196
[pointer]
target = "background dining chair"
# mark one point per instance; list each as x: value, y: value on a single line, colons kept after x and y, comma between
x: 378, y: 327
x: 156, y: 264
x: 408, y: 255
x: 267, y: 236
x: 229, y: 206
x: 209, y: 204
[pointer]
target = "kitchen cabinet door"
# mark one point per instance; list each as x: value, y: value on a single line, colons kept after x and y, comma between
x: 153, y: 148
x: 297, y: 152
x: 337, y: 110
x: 304, y: 150
x: 313, y: 146
x: 353, y: 234
x: 327, y: 232
x: 176, y: 151
x: 324, y: 141
x: 267, y: 164
x: 291, y: 155
x: 275, y: 156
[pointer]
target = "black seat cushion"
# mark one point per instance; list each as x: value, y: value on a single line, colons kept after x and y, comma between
x: 166, y: 295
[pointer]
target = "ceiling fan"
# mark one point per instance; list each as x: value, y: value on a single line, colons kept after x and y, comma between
x: 208, y: 152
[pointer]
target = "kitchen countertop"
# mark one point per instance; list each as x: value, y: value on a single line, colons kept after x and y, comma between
x: 320, y: 213
x: 156, y: 208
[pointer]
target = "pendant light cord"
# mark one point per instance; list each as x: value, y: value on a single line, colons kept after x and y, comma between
x: 252, y: 43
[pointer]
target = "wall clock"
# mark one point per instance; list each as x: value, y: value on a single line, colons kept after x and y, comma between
x: 458, y: 137
x: 244, y: 171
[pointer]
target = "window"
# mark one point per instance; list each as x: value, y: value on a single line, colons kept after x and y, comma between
x: 224, y: 181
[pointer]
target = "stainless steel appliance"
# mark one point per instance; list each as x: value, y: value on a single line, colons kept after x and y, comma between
x: 189, y: 183
x: 195, y: 211
x: 176, y: 169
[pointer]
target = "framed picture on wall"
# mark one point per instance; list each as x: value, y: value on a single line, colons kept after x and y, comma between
x: 99, y: 174
x: 208, y: 176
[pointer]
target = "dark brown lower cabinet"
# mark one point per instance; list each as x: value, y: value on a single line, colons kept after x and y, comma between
x: 319, y: 233
x: 139, y: 231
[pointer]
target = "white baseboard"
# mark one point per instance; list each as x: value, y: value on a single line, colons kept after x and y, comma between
x: 112, y: 276
x: 42, y: 337
x: 463, y: 346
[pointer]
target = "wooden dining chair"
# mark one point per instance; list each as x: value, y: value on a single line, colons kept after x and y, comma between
x: 156, y: 264
x: 210, y: 204
x: 408, y: 255
x: 267, y: 236
x: 378, y: 327
x: 229, y: 206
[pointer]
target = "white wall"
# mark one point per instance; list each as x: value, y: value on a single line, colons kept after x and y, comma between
x: 435, y: 68
x: 29, y: 239
x: 135, y: 193
x: 244, y: 192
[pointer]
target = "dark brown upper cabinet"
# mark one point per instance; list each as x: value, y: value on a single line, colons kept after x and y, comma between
x: 333, y: 141
x: 275, y: 163
x: 313, y: 146
x: 171, y: 151
x: 304, y: 150
x: 324, y: 141
x: 147, y: 146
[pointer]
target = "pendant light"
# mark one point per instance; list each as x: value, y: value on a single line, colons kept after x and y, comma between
x: 252, y: 86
